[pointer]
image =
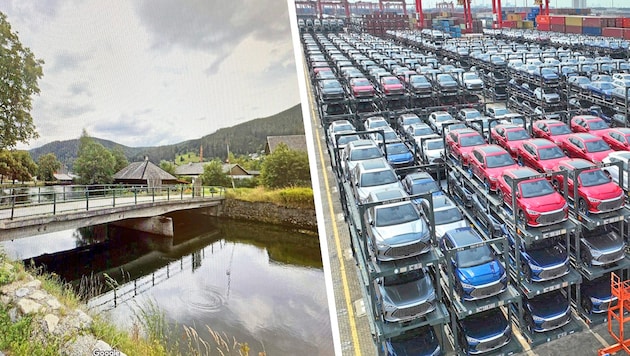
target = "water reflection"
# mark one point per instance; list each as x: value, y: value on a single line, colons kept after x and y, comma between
x: 260, y: 284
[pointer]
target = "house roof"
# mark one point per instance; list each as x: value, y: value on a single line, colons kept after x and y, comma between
x: 196, y: 168
x: 294, y: 142
x: 143, y: 171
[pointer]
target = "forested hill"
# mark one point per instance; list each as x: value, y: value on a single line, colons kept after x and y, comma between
x: 245, y: 138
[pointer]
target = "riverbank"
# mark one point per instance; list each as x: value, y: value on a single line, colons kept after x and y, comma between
x: 270, y: 213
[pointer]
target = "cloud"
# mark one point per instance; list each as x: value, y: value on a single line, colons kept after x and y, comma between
x: 68, y: 61
x: 80, y: 88
x: 71, y: 110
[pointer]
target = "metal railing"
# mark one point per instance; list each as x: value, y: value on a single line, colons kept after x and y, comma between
x: 54, y: 200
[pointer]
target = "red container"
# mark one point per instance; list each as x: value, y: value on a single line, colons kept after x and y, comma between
x: 626, y: 33
x: 542, y: 26
x: 591, y: 21
x: 626, y: 22
x: 509, y: 24
x: 619, y: 22
x: 556, y: 20
x: 557, y: 28
x: 543, y: 19
x: 612, y: 32
x: 573, y: 29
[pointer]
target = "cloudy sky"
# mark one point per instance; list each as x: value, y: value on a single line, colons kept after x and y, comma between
x: 154, y: 72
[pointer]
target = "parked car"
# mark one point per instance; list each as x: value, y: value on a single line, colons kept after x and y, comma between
x: 540, y: 261
x: 405, y: 120
x: 418, y: 132
x: 587, y: 146
x: 618, y: 138
x: 420, y: 85
x: 546, y: 312
x: 487, y: 162
x: 398, y: 155
x: 509, y: 137
x: 554, y: 130
x: 376, y: 123
x: 597, y: 193
x: 596, y: 296
x: 590, y: 124
x: 600, y: 247
x: 418, y: 341
x: 432, y: 151
x: 622, y: 157
x: 446, y: 215
x: 331, y: 89
x: 361, y: 88
x: 406, y: 296
x: 483, y: 332
x: 391, y: 85
x: 395, y: 230
x: 438, y: 118
x: 339, y: 126
x: 460, y: 142
x: 356, y: 152
x: 537, y: 202
x: 548, y: 96
x: 417, y: 183
x: 601, y: 89
x: 478, y: 274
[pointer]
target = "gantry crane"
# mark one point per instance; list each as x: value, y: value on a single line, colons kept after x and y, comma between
x: 468, y: 19
x: 497, y: 14
x: 336, y: 4
x: 381, y: 5
x: 544, y: 6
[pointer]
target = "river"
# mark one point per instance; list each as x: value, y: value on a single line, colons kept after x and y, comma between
x: 257, y: 284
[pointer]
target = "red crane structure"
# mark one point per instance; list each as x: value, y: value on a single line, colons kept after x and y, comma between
x: 468, y: 18
x: 497, y: 14
x: 397, y: 4
x: 336, y: 4
x: 544, y: 6
x: 618, y: 314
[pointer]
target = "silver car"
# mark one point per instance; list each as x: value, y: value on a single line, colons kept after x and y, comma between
x: 372, y: 175
x: 601, y: 247
x: 406, y: 296
x: 446, y: 214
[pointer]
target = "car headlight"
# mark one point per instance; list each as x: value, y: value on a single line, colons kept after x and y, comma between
x: 466, y: 285
x: 537, y: 318
x: 534, y: 267
x: 472, y: 341
x: 531, y: 212
x: 593, y: 200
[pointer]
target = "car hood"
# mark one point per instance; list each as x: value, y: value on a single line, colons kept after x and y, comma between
x: 608, y: 242
x: 549, y: 202
x: 393, y: 86
x: 548, y: 257
x: 421, y: 85
x: 400, y: 157
x: 332, y: 90
x: 362, y: 88
x: 365, y: 191
x: 416, y: 346
x: 597, y: 157
x: 481, y: 274
x: 496, y: 172
x: 473, y: 81
x: 409, y: 293
x: 402, y: 234
x: 604, y: 191
x: 548, y: 306
x: 478, y: 329
x: 550, y: 164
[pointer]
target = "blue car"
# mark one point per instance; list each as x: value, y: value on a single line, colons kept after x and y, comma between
x: 601, y: 89
x: 483, y: 332
x: 477, y: 272
x: 421, y: 183
x: 398, y: 155
x: 541, y: 261
x: 546, y: 312
x: 417, y: 342
x: 596, y: 295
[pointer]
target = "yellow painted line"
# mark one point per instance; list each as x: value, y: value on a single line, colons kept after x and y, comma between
x: 344, y: 278
x: 599, y: 338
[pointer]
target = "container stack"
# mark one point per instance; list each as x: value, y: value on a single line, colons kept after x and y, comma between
x: 378, y: 24
x: 617, y: 27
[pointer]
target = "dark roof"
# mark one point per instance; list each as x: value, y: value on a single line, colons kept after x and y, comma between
x: 578, y: 163
x: 294, y: 142
x: 190, y: 169
x: 143, y: 171
x: 464, y: 236
x: 540, y: 142
x: 523, y: 172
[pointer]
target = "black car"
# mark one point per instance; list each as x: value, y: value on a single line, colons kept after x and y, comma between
x: 331, y: 89
x: 420, y: 341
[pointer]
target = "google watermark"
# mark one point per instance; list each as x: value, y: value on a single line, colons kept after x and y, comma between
x: 98, y: 352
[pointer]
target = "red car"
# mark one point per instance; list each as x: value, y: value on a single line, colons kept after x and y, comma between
x: 361, y: 88
x: 618, y: 138
x: 537, y: 203
x: 487, y: 162
x: 461, y: 142
x: 509, y: 137
x: 540, y: 154
x: 597, y: 193
x: 587, y: 146
x: 588, y: 123
x: 391, y: 86
x: 550, y: 129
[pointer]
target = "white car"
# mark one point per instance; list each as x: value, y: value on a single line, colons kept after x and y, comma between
x: 613, y: 171
x: 438, y: 118
x: 472, y: 81
x: 549, y: 96
x: 376, y: 123
x: 419, y: 132
x: 433, y: 150
x: 339, y: 126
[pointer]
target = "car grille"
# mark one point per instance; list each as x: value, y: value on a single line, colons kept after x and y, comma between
x: 413, y: 311
x: 407, y: 250
x: 611, y: 257
x: 604, y: 306
x: 551, y: 218
x: 556, y: 323
x: 437, y: 160
x: 487, y: 290
x: 490, y: 345
x: 554, y: 272
x: 553, y: 100
x: 608, y: 205
x: 475, y: 86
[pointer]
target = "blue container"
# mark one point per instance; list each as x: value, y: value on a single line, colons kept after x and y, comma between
x: 593, y: 31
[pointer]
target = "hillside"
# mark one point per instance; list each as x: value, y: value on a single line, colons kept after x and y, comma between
x: 248, y: 137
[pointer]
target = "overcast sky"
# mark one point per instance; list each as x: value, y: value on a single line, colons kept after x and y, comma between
x: 154, y: 72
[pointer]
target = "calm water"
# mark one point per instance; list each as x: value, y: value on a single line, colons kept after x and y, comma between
x: 260, y: 284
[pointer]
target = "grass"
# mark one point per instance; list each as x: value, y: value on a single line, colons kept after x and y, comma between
x: 295, y: 197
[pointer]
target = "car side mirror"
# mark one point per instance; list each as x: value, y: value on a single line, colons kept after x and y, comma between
x: 517, y: 194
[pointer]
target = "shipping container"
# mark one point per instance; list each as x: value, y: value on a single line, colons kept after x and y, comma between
x: 557, y: 28
x: 542, y: 20
x: 626, y: 33
x: 556, y: 20
x: 573, y: 21
x: 591, y: 21
x: 573, y: 29
x: 542, y: 26
x: 626, y: 22
x: 593, y: 31
x: 528, y: 24
x: 616, y: 32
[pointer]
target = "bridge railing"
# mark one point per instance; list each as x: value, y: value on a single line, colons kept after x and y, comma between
x: 23, y: 202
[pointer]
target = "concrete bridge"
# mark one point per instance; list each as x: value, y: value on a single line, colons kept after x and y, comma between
x: 63, y: 208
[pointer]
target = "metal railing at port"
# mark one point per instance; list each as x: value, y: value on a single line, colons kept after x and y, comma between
x: 54, y: 200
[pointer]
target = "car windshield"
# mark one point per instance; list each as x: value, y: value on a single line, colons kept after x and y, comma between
x: 550, y: 153
x: 447, y: 216
x: 343, y: 127
x: 470, y: 76
x: 397, y: 148
x: 435, y: 145
x: 597, y: 146
x: 500, y: 160
x: 559, y: 129
x: 395, y: 215
x: 377, y: 123
x: 472, y: 115
x: 344, y: 140
x: 403, y: 278
x: 361, y: 82
x: 443, y: 118
x: 501, y: 112
x: 391, y: 136
x: 474, y: 256
x: 517, y: 135
x: 422, y: 131
x: 593, y: 178
x: 391, y: 80
x: 331, y: 84
x: 472, y: 140
x: 536, y: 188
x: 371, y: 179
x: 424, y: 187
x: 418, y: 79
x: 411, y: 120
x: 597, y: 125
x: 365, y: 153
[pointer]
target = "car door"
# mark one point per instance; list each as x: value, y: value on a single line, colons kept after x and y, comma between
x: 529, y: 156
x: 571, y: 147
x: 476, y: 163
x: 506, y: 189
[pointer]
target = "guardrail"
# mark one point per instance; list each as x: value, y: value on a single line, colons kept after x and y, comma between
x: 71, y: 198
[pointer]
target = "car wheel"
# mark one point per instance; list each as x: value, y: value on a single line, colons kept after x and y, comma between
x: 522, y: 218
x: 519, y: 160
x: 582, y: 207
x: 527, y: 272
x: 555, y: 184
x: 586, y: 258
x: 486, y: 184
x: 587, y: 305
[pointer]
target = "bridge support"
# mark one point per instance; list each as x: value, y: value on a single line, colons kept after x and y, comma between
x: 156, y: 225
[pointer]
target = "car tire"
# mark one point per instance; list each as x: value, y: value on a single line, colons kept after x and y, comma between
x: 582, y: 206
x: 587, y: 305
x: 519, y: 160
x: 521, y: 218
x: 527, y: 272
x: 586, y: 258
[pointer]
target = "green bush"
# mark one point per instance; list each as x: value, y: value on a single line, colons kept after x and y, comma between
x: 300, y: 197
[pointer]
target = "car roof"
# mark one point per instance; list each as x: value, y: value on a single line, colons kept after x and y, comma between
x: 521, y: 172
x: 623, y: 130
x: 361, y: 143
x: 540, y: 142
x: 491, y: 148
x: 578, y: 163
x: 466, y: 131
x: 463, y: 236
x: 387, y: 194
x: 585, y: 136
x: 374, y: 164
x: 419, y: 175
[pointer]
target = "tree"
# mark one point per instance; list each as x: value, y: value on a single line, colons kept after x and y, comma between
x: 95, y: 164
x: 119, y: 158
x: 213, y: 174
x: 19, y: 73
x: 168, y: 167
x: 285, y: 168
x: 21, y: 166
x: 47, y: 166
